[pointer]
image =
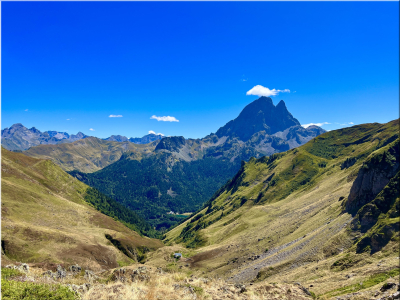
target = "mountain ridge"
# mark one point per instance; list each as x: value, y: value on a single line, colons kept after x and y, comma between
x: 89, y: 155
x: 18, y: 137
x: 146, y: 139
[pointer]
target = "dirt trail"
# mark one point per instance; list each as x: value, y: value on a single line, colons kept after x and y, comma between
x: 249, y: 271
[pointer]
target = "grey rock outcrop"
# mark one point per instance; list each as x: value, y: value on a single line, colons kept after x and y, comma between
x: 75, y: 268
x: 22, y: 267
x: 130, y: 275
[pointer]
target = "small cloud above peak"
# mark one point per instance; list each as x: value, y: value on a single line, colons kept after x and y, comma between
x: 68, y: 119
x: 153, y: 132
x: 115, y: 116
x: 91, y: 129
x: 315, y: 124
x: 26, y: 109
x: 164, y: 119
x: 260, y: 90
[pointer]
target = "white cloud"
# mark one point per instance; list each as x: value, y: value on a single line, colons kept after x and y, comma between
x: 164, y: 119
x: 91, y: 129
x: 68, y: 119
x: 316, y: 124
x: 153, y: 132
x: 26, y: 109
x: 259, y: 90
x: 350, y: 123
x: 115, y: 116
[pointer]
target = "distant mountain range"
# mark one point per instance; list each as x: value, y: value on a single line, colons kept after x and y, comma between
x: 18, y: 137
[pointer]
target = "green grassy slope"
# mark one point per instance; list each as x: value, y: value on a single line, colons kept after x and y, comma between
x: 47, y: 218
x: 89, y: 154
x: 289, y: 209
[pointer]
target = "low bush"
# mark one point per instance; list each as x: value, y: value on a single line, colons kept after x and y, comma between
x: 13, y: 290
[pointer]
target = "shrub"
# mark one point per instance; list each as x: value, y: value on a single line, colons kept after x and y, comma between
x: 13, y: 290
x: 8, y: 273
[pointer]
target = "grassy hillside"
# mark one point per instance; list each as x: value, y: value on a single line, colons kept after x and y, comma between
x: 284, y: 217
x: 47, y: 218
x: 89, y: 154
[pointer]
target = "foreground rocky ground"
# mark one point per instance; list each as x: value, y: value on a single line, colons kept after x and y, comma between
x: 143, y: 282
x: 148, y: 282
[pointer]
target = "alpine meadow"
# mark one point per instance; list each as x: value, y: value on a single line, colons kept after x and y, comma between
x: 200, y: 150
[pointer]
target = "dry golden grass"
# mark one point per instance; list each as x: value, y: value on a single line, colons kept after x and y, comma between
x: 171, y: 286
x: 46, y: 220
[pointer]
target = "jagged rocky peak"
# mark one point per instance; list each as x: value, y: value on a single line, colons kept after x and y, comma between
x: 35, y: 130
x: 57, y: 134
x: 117, y: 138
x: 79, y: 135
x: 172, y: 143
x: 17, y: 125
x: 259, y: 115
x: 13, y: 128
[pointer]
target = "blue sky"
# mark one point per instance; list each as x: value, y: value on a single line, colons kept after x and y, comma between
x: 68, y: 66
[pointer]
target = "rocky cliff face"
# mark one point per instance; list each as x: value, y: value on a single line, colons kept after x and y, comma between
x: 374, y: 197
x: 379, y: 219
x: 260, y: 115
x: 173, y: 143
x: 373, y: 176
x: 18, y: 137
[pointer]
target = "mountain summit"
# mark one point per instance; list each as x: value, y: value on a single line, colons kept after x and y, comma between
x: 259, y: 115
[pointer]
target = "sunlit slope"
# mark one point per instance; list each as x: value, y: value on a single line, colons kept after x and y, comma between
x: 89, y: 154
x: 286, y: 210
x: 45, y: 219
